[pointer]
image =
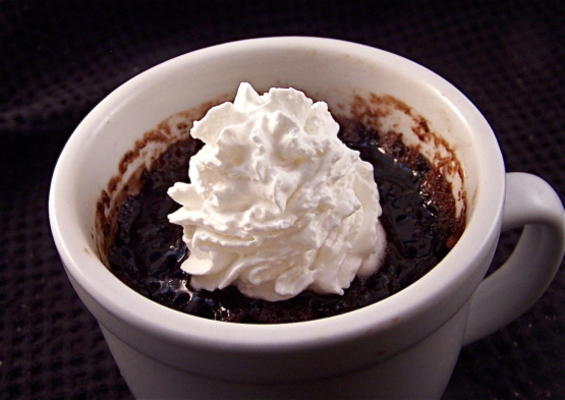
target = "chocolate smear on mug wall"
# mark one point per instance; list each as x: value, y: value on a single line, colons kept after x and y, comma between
x: 128, y: 181
x: 419, y: 216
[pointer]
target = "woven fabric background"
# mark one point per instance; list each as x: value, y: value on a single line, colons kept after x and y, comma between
x: 59, y: 58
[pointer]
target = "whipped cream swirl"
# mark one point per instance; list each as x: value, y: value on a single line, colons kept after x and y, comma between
x: 277, y: 204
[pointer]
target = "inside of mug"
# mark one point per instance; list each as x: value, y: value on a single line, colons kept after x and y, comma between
x: 154, y: 109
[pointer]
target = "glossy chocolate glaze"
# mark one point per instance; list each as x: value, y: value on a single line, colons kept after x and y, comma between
x: 418, y: 217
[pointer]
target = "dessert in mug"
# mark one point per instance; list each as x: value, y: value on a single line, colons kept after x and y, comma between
x: 271, y: 211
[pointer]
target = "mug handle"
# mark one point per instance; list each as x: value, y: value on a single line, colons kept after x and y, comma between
x: 521, y: 280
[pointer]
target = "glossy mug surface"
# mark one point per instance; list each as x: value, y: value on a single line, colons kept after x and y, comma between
x: 403, y: 346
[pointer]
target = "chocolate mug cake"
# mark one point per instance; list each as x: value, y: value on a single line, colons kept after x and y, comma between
x: 419, y: 217
x: 376, y: 351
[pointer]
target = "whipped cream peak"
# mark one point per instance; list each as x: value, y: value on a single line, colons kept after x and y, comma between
x: 277, y: 204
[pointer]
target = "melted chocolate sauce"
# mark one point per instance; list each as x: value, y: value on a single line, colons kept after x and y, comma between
x: 418, y: 217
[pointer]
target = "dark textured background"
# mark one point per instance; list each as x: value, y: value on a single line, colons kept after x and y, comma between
x: 58, y: 59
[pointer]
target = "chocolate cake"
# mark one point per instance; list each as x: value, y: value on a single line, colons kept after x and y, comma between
x: 418, y: 216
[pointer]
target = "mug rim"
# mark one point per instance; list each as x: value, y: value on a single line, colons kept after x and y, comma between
x: 178, y: 327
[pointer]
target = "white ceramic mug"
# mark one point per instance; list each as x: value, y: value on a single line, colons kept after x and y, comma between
x: 404, y: 346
